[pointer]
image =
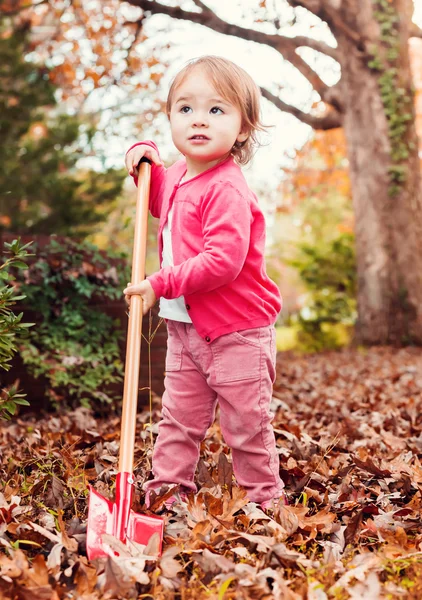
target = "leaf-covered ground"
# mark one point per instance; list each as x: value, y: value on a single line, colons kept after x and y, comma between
x: 349, y: 431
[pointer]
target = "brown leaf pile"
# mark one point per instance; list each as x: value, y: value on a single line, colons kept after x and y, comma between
x: 349, y: 433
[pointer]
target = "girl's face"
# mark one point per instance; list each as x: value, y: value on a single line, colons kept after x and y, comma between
x: 204, y: 126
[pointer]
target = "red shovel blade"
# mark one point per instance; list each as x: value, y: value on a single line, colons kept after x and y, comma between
x: 102, y: 517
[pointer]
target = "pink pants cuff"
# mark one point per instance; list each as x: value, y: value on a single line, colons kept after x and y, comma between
x: 236, y: 371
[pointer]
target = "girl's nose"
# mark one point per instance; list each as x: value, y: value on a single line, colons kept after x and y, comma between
x: 200, y: 121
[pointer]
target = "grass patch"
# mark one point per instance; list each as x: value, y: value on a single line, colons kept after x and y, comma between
x: 290, y: 338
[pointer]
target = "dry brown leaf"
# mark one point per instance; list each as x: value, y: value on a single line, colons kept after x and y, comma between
x: 225, y: 472
x: 233, y: 504
x: 349, y: 432
x: 85, y: 577
x: 54, y: 497
x: 370, y: 589
x: 211, y: 562
x: 117, y: 579
x: 169, y: 566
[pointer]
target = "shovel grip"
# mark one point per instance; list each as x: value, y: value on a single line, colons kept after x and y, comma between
x: 134, y: 336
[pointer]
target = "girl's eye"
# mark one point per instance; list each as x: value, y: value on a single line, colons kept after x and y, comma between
x: 216, y: 110
x: 185, y: 109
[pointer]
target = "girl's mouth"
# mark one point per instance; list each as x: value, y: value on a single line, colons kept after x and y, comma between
x: 199, y: 138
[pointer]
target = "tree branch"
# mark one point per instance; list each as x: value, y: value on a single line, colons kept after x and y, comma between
x: 315, y: 7
x: 415, y: 31
x: 327, y: 11
x: 331, y: 120
x: 300, y: 41
x: 284, y: 45
x: 202, y: 5
x: 307, y: 71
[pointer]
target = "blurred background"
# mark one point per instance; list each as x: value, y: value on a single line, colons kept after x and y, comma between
x: 81, y: 80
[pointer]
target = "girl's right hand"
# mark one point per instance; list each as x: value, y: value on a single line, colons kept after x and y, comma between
x: 133, y: 157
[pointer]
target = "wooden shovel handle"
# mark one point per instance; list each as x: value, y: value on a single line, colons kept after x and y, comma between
x: 134, y: 335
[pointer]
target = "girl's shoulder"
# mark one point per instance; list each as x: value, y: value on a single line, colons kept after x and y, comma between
x: 176, y: 171
x: 229, y: 177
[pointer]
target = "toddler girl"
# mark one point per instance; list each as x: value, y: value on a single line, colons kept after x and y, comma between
x: 218, y: 301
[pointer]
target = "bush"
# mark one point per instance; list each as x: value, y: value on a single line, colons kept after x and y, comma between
x: 41, y: 144
x: 12, y: 330
x: 76, y: 345
x: 329, y: 272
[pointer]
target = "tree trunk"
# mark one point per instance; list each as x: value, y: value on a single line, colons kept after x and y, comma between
x: 388, y: 213
x: 374, y: 102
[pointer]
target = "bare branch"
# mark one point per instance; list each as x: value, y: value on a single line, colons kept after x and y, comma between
x: 139, y: 25
x: 314, y: 6
x: 210, y: 19
x: 301, y: 40
x: 331, y: 120
x: 415, y: 31
x: 284, y: 45
x: 201, y: 5
x: 307, y: 71
x: 327, y: 11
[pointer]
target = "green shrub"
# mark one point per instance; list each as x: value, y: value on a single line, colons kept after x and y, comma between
x: 328, y: 269
x: 76, y: 345
x: 41, y: 146
x: 12, y: 330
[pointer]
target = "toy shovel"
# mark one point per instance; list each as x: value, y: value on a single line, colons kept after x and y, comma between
x: 117, y: 518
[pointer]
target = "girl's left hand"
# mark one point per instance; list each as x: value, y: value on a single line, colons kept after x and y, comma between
x: 143, y: 289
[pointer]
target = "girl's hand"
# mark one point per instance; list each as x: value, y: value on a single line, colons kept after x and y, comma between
x: 143, y: 289
x: 133, y: 157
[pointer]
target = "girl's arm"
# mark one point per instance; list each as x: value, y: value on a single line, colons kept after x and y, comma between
x: 158, y: 172
x: 226, y: 224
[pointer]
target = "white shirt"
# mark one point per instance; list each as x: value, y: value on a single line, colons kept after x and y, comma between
x: 174, y: 309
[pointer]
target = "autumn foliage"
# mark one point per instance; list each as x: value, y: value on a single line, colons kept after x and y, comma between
x: 348, y: 431
x: 91, y: 44
x: 321, y: 166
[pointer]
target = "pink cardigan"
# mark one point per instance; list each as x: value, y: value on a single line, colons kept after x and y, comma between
x: 218, y: 238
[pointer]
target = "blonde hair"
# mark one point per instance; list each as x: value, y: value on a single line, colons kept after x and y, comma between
x: 235, y: 86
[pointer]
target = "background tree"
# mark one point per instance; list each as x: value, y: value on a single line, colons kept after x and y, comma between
x: 373, y: 102
x: 40, y: 188
x: 313, y: 252
x: 315, y: 210
x: 98, y: 57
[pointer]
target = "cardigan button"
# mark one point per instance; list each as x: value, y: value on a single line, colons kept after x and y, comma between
x: 187, y: 307
x: 208, y: 339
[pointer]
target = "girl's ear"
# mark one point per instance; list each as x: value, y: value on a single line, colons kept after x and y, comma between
x: 242, y: 137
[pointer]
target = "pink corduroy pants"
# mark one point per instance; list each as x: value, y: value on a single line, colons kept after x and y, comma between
x: 236, y: 371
